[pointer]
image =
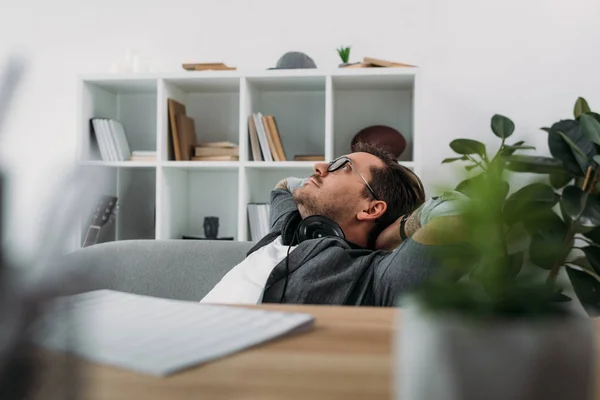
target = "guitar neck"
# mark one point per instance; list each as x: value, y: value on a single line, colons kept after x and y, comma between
x: 92, y: 236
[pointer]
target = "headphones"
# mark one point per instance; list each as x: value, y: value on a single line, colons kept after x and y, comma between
x: 296, y: 230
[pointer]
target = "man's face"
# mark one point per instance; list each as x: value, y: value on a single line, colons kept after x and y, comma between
x: 338, y: 194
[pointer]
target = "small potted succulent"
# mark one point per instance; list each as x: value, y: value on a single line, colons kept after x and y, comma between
x: 344, y: 53
x: 495, y: 322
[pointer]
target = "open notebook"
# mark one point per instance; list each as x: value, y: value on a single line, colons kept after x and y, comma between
x: 158, y: 336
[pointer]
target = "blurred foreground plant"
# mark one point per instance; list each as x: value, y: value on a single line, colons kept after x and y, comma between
x: 539, y: 224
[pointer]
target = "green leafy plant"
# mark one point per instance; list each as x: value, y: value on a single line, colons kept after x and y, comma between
x: 344, y: 53
x: 551, y: 223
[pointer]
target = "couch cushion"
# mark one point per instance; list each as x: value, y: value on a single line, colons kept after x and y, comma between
x: 177, y: 269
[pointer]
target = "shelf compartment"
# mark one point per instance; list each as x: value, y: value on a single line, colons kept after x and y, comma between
x: 133, y: 102
x: 213, y: 104
x: 135, y: 190
x: 190, y: 195
x: 297, y: 104
x: 362, y: 101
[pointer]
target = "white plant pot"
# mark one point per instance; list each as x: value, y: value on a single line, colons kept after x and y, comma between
x: 446, y: 357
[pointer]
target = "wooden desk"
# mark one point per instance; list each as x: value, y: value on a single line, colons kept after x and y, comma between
x: 348, y: 354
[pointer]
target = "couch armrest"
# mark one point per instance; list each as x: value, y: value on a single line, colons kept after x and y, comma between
x: 176, y: 269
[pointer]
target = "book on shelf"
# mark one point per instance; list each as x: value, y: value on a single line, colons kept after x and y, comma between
x: 258, y: 216
x: 370, y: 62
x: 142, y: 155
x: 111, y: 139
x: 215, y: 158
x: 216, y: 151
x: 265, y: 138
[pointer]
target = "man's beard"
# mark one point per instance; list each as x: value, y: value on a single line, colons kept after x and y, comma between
x: 308, y: 205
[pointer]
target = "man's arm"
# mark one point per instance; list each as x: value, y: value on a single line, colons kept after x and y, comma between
x: 432, y: 231
x: 282, y: 201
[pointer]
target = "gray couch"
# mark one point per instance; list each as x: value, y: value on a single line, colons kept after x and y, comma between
x: 175, y: 269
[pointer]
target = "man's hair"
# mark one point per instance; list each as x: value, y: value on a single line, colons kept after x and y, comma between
x: 398, y: 186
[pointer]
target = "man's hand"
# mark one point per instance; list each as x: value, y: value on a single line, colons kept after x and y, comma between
x: 282, y: 184
x: 291, y: 184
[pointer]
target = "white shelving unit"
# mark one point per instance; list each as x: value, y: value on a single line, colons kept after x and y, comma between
x: 317, y: 111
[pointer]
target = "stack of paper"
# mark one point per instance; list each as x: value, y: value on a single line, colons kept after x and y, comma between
x: 158, y: 336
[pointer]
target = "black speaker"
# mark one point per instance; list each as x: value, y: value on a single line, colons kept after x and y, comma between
x: 296, y: 230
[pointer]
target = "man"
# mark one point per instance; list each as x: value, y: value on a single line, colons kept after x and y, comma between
x: 371, y: 198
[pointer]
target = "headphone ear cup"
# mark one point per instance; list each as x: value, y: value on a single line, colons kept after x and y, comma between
x: 318, y: 226
x: 288, y: 232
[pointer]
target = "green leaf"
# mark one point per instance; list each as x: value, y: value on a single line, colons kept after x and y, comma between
x: 590, y: 128
x: 509, y: 150
x: 581, y: 107
x: 514, y: 264
x: 470, y: 167
x: 596, y: 159
x: 573, y: 146
x: 562, y: 151
x: 594, y: 235
x: 561, y: 298
x: 452, y: 159
x: 590, y: 217
x: 502, y: 126
x: 547, y: 249
x: 528, y: 202
x: 467, y: 146
x: 587, y: 289
x: 583, y: 263
x: 592, y: 255
x: 533, y: 164
x: 470, y: 186
x: 559, y: 179
x: 545, y: 221
x: 572, y: 201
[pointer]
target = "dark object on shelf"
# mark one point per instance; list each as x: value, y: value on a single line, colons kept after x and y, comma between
x: 189, y: 237
x: 383, y: 136
x: 211, y: 227
x: 294, y: 60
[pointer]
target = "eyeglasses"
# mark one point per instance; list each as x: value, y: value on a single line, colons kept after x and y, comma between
x: 340, y: 162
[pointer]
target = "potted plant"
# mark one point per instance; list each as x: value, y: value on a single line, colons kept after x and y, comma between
x: 494, y: 321
x: 344, y: 53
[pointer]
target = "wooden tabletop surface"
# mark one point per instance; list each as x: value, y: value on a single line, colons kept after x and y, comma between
x: 347, y: 355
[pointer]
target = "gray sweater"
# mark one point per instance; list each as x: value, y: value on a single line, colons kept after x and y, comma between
x: 329, y: 271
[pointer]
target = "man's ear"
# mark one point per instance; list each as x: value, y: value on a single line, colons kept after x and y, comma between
x: 374, y: 210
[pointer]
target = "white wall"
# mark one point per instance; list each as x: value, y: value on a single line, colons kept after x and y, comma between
x: 526, y: 59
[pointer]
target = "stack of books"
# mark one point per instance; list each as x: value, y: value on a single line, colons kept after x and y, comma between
x: 112, y: 142
x: 111, y: 139
x: 370, y: 62
x: 258, y: 215
x: 265, y: 140
x: 140, y: 155
x: 216, y: 151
